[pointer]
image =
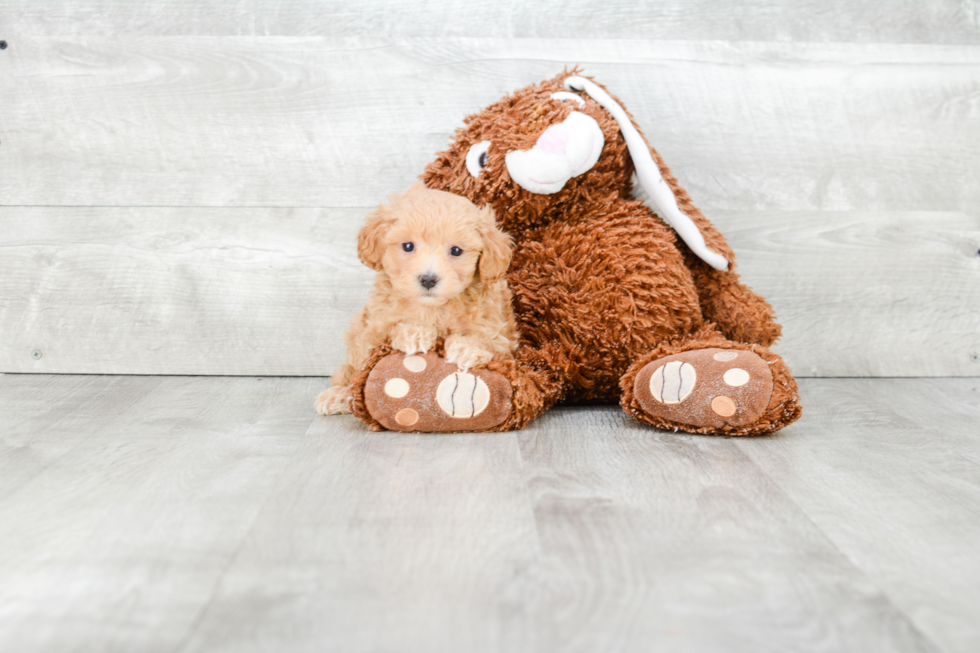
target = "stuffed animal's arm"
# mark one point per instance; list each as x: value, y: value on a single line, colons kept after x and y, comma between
x: 739, y: 313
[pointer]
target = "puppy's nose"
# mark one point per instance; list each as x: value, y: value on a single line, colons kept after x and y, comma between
x: 428, y: 281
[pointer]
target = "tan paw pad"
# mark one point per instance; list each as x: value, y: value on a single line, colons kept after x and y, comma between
x: 462, y: 395
x: 407, y: 417
x: 723, y: 405
x: 673, y: 382
x: 397, y: 388
x: 414, y: 364
x: 736, y: 377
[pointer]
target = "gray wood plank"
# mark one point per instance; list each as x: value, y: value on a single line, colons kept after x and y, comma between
x: 867, y: 294
x: 211, y: 514
x: 638, y: 537
x: 681, y: 543
x: 170, y: 291
x: 304, y: 121
x: 119, y: 543
x: 40, y: 416
x: 889, y: 470
x: 383, y: 542
x: 271, y: 291
x: 935, y: 21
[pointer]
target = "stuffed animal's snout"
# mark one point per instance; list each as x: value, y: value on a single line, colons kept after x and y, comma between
x: 563, y: 151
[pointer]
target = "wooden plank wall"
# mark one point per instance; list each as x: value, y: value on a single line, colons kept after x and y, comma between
x: 181, y: 182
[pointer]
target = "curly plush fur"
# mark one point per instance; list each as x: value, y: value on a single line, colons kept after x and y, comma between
x: 602, y: 286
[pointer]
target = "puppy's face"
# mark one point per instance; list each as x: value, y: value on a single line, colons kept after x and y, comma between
x: 433, y: 245
x: 430, y: 259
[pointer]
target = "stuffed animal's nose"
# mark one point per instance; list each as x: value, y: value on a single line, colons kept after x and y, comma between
x: 554, y: 140
x: 428, y: 281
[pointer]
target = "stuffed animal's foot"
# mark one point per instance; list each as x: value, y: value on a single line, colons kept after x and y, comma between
x: 426, y: 393
x: 714, y: 390
x: 334, y: 401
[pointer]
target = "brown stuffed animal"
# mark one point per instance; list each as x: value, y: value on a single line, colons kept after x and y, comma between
x: 614, y: 302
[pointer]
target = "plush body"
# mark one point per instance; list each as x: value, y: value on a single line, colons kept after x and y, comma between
x: 440, y: 262
x: 604, y: 290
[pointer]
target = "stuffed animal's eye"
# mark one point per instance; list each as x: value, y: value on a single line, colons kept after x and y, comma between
x: 408, y: 247
x: 477, y: 158
x: 564, y: 96
x: 455, y: 251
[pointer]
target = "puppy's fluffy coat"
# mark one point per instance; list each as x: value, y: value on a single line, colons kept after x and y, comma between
x: 440, y: 262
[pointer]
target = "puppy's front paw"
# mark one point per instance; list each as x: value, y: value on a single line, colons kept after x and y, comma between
x: 334, y: 401
x: 414, y: 339
x: 466, y: 354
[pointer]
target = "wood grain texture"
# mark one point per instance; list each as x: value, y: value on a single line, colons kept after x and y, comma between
x: 889, y: 470
x: 40, y: 417
x: 218, y: 514
x: 271, y: 291
x: 180, y: 185
x: 307, y: 121
x: 651, y: 540
x: 864, y: 294
x: 117, y: 544
x: 928, y: 21
x: 383, y: 542
x: 170, y: 291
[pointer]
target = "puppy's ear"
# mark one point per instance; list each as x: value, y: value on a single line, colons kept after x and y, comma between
x: 371, y: 237
x: 495, y: 258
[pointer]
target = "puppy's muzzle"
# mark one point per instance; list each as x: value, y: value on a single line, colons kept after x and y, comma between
x: 428, y: 281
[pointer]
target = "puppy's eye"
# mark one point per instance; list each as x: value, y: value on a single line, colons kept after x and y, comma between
x: 455, y: 251
x: 565, y: 96
x: 408, y: 247
x: 477, y: 158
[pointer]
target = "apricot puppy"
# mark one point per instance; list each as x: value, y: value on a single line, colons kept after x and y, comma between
x: 440, y: 262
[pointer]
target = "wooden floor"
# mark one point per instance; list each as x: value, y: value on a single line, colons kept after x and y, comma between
x: 218, y: 514
x: 181, y: 184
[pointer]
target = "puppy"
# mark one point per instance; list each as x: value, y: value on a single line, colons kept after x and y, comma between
x: 440, y: 262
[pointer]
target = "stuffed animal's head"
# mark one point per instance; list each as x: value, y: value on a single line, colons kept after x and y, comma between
x: 433, y: 245
x: 548, y: 147
x: 537, y: 147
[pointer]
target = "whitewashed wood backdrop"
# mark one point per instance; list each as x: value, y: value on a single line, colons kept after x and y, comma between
x: 181, y: 181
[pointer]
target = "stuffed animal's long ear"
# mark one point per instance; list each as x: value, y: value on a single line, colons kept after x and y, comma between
x: 371, y: 237
x: 673, y: 204
x: 495, y: 258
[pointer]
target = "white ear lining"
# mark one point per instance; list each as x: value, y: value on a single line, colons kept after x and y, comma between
x: 561, y: 96
x: 649, y: 175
